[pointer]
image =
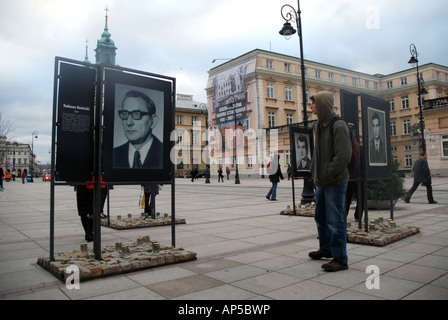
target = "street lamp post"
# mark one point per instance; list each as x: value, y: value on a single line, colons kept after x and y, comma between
x: 33, y: 135
x: 290, y: 14
x: 204, y: 111
x: 421, y: 91
x: 287, y: 31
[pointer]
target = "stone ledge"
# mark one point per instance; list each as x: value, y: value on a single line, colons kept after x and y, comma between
x: 141, y: 222
x: 306, y: 210
x: 115, y: 260
x: 382, y: 234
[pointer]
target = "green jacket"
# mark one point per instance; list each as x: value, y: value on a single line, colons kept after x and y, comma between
x: 331, y: 155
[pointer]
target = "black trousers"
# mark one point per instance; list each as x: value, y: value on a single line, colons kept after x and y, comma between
x: 415, y: 186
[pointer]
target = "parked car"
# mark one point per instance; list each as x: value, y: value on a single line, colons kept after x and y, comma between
x: 46, y: 177
x: 6, y: 175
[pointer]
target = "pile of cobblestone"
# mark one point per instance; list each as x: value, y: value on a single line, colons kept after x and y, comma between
x: 306, y: 210
x: 143, y: 221
x: 118, y: 259
x: 379, y: 232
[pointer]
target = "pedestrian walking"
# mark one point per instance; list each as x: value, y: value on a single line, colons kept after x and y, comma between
x: 274, y: 177
x: 220, y: 175
x: 227, y: 172
x: 1, y: 177
x: 23, y: 176
x: 329, y: 171
x: 422, y: 175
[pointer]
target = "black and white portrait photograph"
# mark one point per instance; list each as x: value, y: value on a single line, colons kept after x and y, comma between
x: 303, y: 157
x: 138, y: 128
x: 377, y: 137
x: 301, y: 150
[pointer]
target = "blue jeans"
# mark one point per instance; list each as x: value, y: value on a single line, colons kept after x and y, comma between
x: 272, y: 194
x: 329, y: 217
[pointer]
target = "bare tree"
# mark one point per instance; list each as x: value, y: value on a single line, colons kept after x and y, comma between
x: 5, y: 128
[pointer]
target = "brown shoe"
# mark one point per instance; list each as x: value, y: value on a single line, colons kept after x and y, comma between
x: 334, y: 265
x: 317, y: 255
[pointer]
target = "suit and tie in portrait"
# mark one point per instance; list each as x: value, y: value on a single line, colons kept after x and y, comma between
x: 377, y: 146
x: 143, y: 149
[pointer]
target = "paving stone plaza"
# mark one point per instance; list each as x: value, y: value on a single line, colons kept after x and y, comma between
x: 245, y: 249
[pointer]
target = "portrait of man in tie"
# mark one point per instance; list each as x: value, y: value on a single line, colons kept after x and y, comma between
x: 138, y: 116
x: 377, y: 133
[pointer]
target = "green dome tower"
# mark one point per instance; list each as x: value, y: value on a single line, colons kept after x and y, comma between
x: 105, y: 47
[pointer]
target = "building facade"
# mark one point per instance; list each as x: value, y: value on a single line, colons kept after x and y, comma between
x: 262, y: 90
x: 190, y: 135
x: 18, y: 157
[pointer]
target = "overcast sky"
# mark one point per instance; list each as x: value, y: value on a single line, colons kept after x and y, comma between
x: 181, y: 38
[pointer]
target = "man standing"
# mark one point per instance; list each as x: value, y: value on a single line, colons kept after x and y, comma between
x: 330, y: 174
x: 422, y: 175
x: 139, y: 118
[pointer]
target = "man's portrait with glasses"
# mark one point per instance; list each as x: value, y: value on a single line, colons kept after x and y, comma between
x: 138, y: 117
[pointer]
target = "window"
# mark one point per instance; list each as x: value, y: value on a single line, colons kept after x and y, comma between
x: 250, y: 161
x: 288, y: 67
x: 393, y: 129
x: 392, y: 105
x: 288, y: 93
x: 289, y: 118
x: 330, y: 76
x: 407, y: 148
x: 406, y: 126
x: 367, y: 83
x: 269, y: 64
x: 270, y: 89
x: 179, y: 119
x: 444, y: 146
x: 271, y: 119
x: 354, y: 82
x: 408, y: 161
x: 404, y: 81
x: 318, y: 73
x: 389, y: 85
x: 195, y: 138
x: 342, y: 79
x: 194, y: 120
x: 405, y: 102
x: 375, y: 85
x: 180, y: 138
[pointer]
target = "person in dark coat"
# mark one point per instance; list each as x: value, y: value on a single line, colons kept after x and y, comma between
x: 84, y: 201
x: 422, y: 175
x: 274, y: 177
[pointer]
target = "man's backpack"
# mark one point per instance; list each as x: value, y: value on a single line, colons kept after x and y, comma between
x: 355, y: 160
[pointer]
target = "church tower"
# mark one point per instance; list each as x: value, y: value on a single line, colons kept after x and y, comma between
x: 105, y: 47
